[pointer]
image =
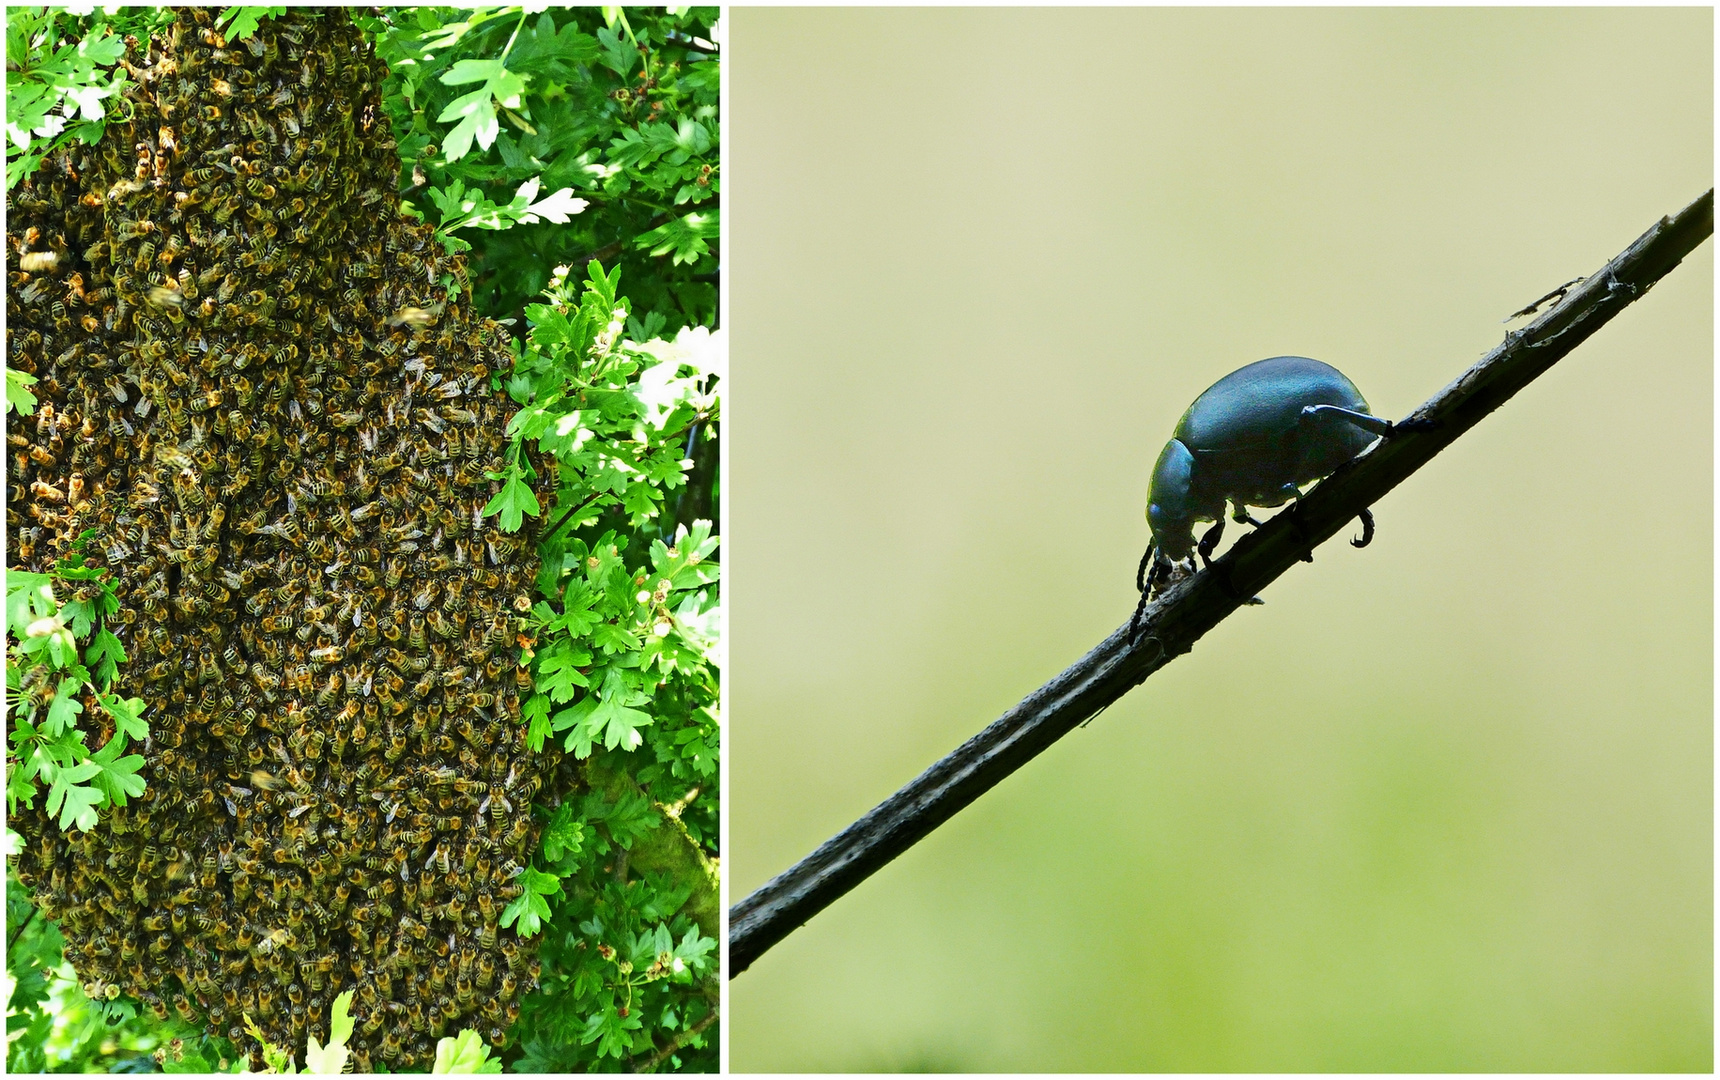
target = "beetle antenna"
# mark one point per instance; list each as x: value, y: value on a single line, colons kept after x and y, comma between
x: 1135, y: 621
x: 1141, y: 574
x: 1145, y: 579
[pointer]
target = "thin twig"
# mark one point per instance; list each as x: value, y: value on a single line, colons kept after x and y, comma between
x: 677, y: 1042
x: 571, y: 511
x: 18, y: 933
x: 1194, y: 605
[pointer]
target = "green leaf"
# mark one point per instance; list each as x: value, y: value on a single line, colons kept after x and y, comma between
x: 696, y: 951
x: 477, y: 115
x: 563, y: 835
x: 76, y: 805
x: 331, y: 1060
x: 529, y: 910
x: 104, y: 656
x: 536, y: 715
x: 514, y: 502
x: 609, y: 1029
x: 629, y: 818
x: 577, y: 616
x: 18, y: 385
x: 27, y: 596
x: 80, y: 615
x: 127, y: 714
x: 613, y: 639
x: 684, y: 238
x: 21, y: 784
x: 64, y: 711
x: 241, y: 22
x: 470, y: 71
x: 618, y: 56
x: 539, y: 882
x: 118, y: 777
x: 618, y: 724
x: 464, y: 1053
x: 558, y: 669
x: 574, y: 717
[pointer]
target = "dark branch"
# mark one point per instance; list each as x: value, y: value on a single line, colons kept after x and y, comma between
x: 1194, y: 605
x: 572, y: 510
x: 676, y: 1043
x: 18, y: 933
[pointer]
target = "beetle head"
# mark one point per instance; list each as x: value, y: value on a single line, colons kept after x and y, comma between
x: 1170, y: 501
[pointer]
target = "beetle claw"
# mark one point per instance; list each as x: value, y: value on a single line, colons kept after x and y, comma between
x: 1367, y: 518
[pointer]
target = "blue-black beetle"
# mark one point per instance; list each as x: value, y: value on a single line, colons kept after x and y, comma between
x: 1252, y: 439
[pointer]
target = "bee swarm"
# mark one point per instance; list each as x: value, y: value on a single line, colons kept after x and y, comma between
x: 255, y: 389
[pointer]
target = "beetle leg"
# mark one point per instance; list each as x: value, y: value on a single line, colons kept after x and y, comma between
x: 1296, y: 523
x: 1229, y: 589
x: 1367, y: 517
x: 1209, y: 542
x: 1239, y: 514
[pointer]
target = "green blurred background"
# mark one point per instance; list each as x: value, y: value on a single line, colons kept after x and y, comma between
x: 1443, y: 804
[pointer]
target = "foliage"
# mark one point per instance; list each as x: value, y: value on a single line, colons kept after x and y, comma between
x: 66, y: 68
x: 612, y: 110
x: 239, y: 23
x: 620, y: 644
x: 626, y: 967
x: 617, y: 417
x: 48, y: 682
x: 18, y: 394
x: 464, y: 1053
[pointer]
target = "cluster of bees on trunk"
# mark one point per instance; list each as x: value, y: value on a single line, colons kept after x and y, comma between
x: 258, y: 392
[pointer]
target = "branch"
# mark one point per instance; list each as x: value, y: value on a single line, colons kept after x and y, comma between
x: 1198, y: 602
x: 676, y: 1043
x: 18, y: 933
x: 572, y: 510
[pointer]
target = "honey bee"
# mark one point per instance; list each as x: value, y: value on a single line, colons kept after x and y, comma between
x: 416, y: 318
